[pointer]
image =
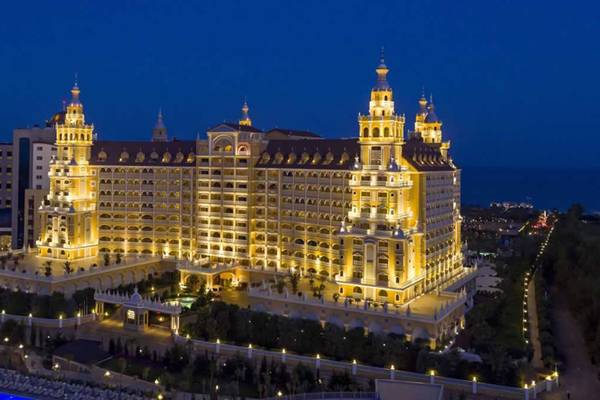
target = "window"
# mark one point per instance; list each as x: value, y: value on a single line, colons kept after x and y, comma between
x: 376, y: 155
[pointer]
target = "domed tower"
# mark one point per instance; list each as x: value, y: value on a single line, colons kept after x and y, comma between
x: 68, y: 215
x: 159, y: 133
x: 245, y: 120
x: 374, y: 244
x: 381, y: 133
x: 427, y: 123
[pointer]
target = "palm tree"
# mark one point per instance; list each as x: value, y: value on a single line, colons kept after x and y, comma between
x: 106, y: 259
x: 294, y: 280
x: 118, y: 258
x: 67, y: 267
x: 48, y: 268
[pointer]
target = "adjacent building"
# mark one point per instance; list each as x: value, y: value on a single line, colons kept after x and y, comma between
x: 32, y: 149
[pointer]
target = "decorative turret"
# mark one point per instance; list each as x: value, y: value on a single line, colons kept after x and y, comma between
x: 427, y: 123
x: 382, y: 71
x: 68, y: 215
x: 382, y: 130
x: 245, y: 120
x: 159, y: 133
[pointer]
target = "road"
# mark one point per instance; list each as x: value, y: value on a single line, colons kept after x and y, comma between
x: 534, y: 333
x: 580, y: 376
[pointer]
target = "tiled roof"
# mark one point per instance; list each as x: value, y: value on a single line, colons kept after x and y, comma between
x: 291, y: 133
x: 309, y: 154
x: 425, y: 156
x: 172, y: 153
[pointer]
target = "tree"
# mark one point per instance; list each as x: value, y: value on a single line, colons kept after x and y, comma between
x: 67, y: 267
x: 193, y: 283
x: 279, y: 285
x: 294, y: 279
x: 106, y: 259
x: 48, y: 268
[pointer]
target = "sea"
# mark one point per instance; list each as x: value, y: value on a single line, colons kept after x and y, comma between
x: 545, y: 188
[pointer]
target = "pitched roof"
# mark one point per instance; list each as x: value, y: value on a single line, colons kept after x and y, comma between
x: 291, y: 133
x: 173, y: 153
x: 425, y: 156
x: 309, y: 154
x: 232, y: 127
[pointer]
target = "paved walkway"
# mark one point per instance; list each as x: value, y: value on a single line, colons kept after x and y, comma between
x: 534, y: 332
x: 580, y: 377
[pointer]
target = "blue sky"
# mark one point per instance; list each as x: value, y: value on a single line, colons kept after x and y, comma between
x: 516, y: 83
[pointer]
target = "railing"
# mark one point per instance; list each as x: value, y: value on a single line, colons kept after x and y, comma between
x: 30, y: 320
x: 328, y: 395
x: 468, y: 386
x: 367, y: 307
x: 127, y: 262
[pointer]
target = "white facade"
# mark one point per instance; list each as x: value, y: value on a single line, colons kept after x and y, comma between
x: 40, y: 160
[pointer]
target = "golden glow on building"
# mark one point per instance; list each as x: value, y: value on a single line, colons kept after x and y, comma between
x: 377, y: 216
x: 68, y: 217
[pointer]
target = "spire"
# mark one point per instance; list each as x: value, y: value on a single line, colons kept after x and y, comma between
x: 159, y: 120
x: 75, y: 92
x: 423, y: 102
x: 431, y: 115
x: 245, y: 120
x: 382, y: 71
x: 159, y: 133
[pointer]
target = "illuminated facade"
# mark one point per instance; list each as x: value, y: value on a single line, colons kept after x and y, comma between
x: 68, y: 216
x: 376, y: 216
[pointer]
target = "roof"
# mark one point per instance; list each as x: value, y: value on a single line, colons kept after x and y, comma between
x: 232, y: 127
x: 309, y: 154
x: 173, y: 153
x: 57, y: 118
x: 405, y: 390
x: 280, y: 133
x: 425, y: 156
x: 82, y: 351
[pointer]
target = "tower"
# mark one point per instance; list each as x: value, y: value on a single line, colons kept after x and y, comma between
x: 68, y: 215
x: 382, y: 131
x: 374, y: 247
x: 159, y: 133
x: 429, y: 126
x: 245, y: 120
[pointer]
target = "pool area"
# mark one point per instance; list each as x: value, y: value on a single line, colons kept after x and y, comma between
x: 183, y: 301
x: 9, y: 396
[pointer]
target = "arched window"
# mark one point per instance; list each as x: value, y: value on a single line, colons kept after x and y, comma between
x: 366, y: 132
x: 386, y: 132
x: 375, y: 132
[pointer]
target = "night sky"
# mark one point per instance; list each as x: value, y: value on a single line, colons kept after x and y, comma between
x: 515, y: 82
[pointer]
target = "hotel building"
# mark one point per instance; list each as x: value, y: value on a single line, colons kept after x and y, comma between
x: 378, y: 216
